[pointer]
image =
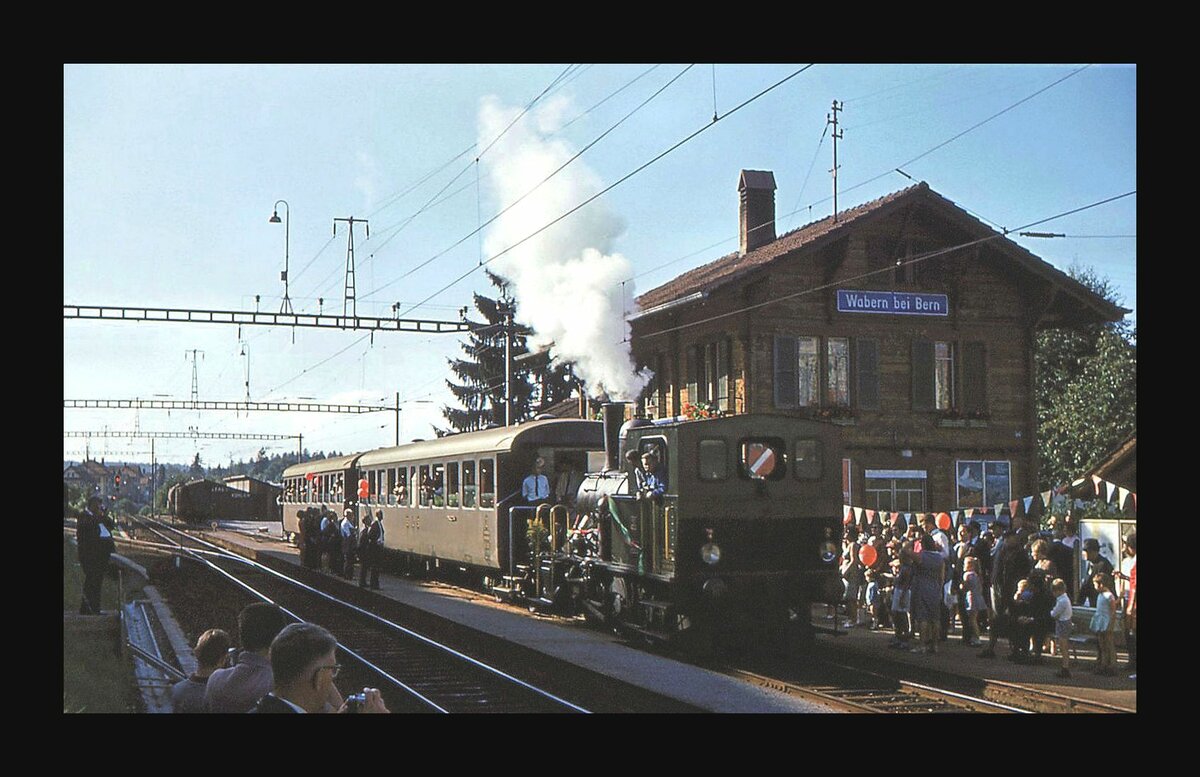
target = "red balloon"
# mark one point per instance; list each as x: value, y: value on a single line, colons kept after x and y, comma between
x: 943, y: 521
x: 309, y: 476
x: 867, y: 555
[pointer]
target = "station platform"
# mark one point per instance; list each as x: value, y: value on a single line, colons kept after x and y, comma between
x: 564, y: 639
x: 604, y: 653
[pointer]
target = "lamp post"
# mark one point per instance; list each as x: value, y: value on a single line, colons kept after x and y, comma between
x: 286, y: 307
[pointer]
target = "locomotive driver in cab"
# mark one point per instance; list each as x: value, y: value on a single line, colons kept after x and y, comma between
x: 535, y: 489
x: 654, y: 483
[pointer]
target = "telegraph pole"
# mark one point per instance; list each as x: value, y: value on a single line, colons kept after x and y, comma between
x: 349, y: 304
x: 508, y: 365
x: 836, y: 136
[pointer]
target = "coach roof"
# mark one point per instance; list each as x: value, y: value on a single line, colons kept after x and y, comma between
x: 559, y: 431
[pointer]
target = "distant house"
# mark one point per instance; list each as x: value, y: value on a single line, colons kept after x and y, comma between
x: 905, y: 320
x: 90, y: 477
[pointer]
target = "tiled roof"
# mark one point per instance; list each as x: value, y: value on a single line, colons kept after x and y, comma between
x: 730, y: 266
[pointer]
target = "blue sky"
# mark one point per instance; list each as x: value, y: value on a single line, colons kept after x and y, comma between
x: 171, y: 173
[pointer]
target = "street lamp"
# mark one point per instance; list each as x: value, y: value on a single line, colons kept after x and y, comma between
x: 286, y: 307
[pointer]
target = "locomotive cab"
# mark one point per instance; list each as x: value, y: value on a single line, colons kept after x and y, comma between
x: 733, y: 538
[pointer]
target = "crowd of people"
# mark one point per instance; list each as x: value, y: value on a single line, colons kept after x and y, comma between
x: 1003, y: 580
x: 280, y: 667
x: 336, y: 546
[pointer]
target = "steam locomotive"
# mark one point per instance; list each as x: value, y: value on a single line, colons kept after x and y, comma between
x: 737, y: 536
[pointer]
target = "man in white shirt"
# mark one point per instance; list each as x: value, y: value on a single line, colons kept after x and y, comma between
x: 535, y: 489
x: 349, y: 543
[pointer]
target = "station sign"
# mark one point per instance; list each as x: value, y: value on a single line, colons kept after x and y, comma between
x: 898, y: 303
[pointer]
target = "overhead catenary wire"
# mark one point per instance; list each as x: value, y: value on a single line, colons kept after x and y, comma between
x: 536, y: 186
x: 612, y: 186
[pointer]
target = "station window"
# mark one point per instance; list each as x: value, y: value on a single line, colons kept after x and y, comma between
x: 895, y: 490
x: 414, y: 486
x: 425, y: 494
x: 487, y: 483
x: 712, y: 457
x: 983, y: 483
x: 761, y: 458
x: 372, y: 485
x: 468, y: 484
x: 807, y: 463
x: 452, y: 484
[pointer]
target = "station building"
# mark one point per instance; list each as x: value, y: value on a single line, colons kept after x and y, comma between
x: 905, y: 320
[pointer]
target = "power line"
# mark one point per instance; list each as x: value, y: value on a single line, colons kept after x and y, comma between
x: 890, y: 268
x: 537, y: 186
x: 612, y: 186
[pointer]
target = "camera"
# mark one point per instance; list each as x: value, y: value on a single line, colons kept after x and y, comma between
x: 355, y: 702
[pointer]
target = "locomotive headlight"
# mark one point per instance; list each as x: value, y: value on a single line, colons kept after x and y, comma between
x: 710, y: 552
x: 829, y: 551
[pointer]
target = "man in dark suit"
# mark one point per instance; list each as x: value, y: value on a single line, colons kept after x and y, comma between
x: 303, y: 665
x: 94, y: 543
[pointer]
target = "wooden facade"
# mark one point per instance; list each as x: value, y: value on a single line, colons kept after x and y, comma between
x: 933, y: 403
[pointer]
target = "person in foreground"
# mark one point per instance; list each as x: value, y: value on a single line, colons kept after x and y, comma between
x: 303, y: 665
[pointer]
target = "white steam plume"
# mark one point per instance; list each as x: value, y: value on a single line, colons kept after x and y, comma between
x: 566, y: 280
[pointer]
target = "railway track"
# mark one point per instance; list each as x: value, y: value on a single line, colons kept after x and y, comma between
x: 848, y: 689
x: 414, y: 673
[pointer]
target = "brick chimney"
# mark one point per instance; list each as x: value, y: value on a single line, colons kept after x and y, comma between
x: 756, y: 214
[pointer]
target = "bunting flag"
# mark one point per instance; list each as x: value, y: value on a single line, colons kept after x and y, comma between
x: 1028, y: 504
x: 870, y: 516
x: 849, y: 511
x: 999, y: 507
x: 895, y: 517
x: 1122, y: 497
x: 858, y: 514
x: 1134, y: 502
x: 1096, y: 481
x: 1112, y: 489
x: 1012, y: 506
x: 969, y: 513
x: 1046, y: 497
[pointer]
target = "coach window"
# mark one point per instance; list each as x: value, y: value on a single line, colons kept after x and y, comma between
x: 807, y: 464
x: 452, y: 484
x: 713, y: 460
x: 425, y: 493
x: 372, y: 486
x: 437, y: 482
x: 487, y: 483
x: 468, y: 484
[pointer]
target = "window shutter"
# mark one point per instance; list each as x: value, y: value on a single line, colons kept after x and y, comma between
x: 786, y: 386
x: 974, y: 378
x: 922, y: 375
x: 867, y: 368
x: 691, y: 374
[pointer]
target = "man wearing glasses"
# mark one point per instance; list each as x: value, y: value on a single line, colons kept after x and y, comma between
x: 303, y: 665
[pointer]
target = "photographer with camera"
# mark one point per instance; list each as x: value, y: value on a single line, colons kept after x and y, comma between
x: 303, y: 666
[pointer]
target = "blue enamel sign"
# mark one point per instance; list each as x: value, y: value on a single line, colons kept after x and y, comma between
x: 893, y: 302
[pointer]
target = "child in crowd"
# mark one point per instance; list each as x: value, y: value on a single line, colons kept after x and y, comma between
x: 1061, y: 613
x: 973, y: 597
x: 1103, y: 624
x: 902, y: 597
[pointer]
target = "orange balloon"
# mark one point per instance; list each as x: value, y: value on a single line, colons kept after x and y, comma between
x: 867, y: 555
x: 943, y: 521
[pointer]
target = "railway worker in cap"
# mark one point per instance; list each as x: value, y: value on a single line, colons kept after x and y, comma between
x: 654, y: 483
x: 1094, y: 563
x: 303, y: 666
x: 535, y: 489
x: 94, y: 544
x: 370, y: 540
x: 349, y: 543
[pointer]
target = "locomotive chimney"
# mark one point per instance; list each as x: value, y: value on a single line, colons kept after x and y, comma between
x: 614, y: 416
x: 756, y: 212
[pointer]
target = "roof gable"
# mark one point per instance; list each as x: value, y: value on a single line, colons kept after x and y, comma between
x: 732, y: 267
